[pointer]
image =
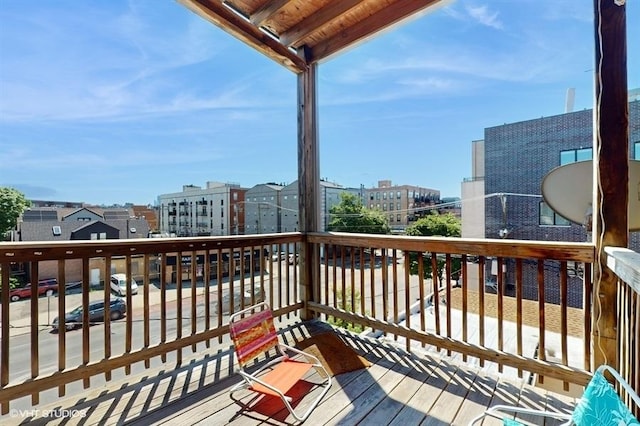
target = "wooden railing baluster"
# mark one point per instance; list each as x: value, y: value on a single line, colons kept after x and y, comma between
x: 342, y: 252
x: 500, y: 313
x: 542, y: 347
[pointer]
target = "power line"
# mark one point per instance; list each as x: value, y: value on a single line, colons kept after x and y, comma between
x: 442, y: 205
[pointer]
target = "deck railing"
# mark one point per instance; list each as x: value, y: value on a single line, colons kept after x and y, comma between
x: 520, y: 317
x: 189, y: 286
x: 625, y: 264
x: 218, y: 276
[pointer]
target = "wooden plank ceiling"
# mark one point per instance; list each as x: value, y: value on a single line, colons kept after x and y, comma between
x: 296, y: 33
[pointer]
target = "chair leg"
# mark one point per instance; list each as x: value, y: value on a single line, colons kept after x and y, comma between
x: 303, y: 417
x: 287, y: 400
x: 243, y: 384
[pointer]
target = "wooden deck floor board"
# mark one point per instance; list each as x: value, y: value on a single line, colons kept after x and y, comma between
x: 451, y: 398
x: 348, y: 394
x: 477, y: 399
x: 363, y: 407
x: 533, y: 399
x: 423, y: 400
x: 400, y: 388
x: 399, y: 397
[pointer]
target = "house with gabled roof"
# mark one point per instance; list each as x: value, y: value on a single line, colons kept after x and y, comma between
x: 49, y: 224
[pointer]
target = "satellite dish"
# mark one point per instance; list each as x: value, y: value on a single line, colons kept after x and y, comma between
x: 568, y: 190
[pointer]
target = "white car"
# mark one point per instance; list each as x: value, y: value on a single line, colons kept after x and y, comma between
x: 119, y: 284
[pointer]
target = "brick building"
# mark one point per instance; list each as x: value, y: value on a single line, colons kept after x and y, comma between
x: 509, y: 166
x: 402, y: 204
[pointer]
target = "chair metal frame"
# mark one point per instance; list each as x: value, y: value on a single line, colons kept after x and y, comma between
x: 253, y: 333
x: 498, y: 411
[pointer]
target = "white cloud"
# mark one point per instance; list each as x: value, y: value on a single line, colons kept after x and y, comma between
x: 121, y: 67
x: 480, y: 14
x: 484, y: 16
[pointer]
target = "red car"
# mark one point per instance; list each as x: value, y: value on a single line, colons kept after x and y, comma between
x: 45, y: 287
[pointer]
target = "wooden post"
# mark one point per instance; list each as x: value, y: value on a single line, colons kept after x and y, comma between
x: 611, y: 170
x: 308, y: 181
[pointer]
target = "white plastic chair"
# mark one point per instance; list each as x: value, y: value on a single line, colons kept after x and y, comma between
x: 599, y: 405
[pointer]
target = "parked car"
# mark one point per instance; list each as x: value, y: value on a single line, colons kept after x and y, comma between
x: 278, y: 256
x: 45, y: 287
x: 119, y: 284
x: 73, y: 319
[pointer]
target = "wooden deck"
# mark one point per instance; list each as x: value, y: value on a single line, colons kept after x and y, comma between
x: 398, y: 389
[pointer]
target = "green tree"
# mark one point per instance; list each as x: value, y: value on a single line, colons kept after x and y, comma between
x: 12, y: 204
x: 13, y: 282
x: 435, y: 225
x: 351, y: 216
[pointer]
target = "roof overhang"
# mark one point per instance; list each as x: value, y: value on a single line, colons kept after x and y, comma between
x: 297, y: 33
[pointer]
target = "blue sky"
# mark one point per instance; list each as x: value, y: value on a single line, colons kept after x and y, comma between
x: 118, y: 101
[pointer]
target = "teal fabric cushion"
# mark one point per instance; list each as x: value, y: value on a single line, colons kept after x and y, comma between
x: 600, y: 405
x: 510, y: 422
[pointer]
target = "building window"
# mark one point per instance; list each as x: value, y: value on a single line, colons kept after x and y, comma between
x: 550, y: 218
x: 390, y: 206
x: 398, y: 195
x: 575, y: 155
x: 398, y: 218
x: 384, y: 195
x: 377, y: 195
x: 384, y: 207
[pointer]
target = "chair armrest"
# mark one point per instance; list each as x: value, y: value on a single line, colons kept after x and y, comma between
x: 255, y: 379
x: 497, y: 410
x: 299, y: 352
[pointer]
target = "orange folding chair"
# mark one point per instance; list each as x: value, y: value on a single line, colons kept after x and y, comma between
x: 254, y: 334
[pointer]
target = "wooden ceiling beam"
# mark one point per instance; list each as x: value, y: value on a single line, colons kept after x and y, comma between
x: 268, y: 10
x: 238, y: 26
x: 369, y: 27
x: 312, y: 23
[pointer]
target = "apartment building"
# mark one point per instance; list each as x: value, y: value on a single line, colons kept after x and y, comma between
x: 402, y: 203
x: 503, y: 197
x: 262, y: 209
x: 273, y: 208
x: 330, y: 195
x: 216, y: 209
